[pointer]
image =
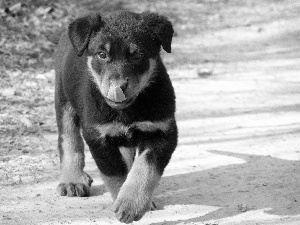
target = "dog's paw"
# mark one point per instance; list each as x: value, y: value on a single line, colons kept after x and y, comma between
x: 80, y: 188
x: 129, y: 208
x: 73, y: 189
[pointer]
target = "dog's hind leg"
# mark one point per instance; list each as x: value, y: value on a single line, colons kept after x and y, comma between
x: 73, y: 180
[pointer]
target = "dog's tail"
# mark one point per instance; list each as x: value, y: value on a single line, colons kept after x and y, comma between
x: 55, y: 36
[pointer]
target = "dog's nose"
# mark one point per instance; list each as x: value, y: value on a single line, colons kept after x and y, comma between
x: 123, y: 84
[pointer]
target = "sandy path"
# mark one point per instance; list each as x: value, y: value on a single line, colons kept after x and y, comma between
x: 238, y: 159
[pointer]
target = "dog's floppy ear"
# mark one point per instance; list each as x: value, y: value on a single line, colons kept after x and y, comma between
x: 81, y: 30
x: 161, y: 29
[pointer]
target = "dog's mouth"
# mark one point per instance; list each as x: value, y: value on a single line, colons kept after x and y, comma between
x: 116, y: 98
x: 119, y: 105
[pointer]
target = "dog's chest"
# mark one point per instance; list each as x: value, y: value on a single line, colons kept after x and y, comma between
x: 107, y: 115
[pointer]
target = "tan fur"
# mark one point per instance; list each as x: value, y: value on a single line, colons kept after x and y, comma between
x: 113, y: 184
x: 135, y: 196
x: 145, y: 78
x: 128, y: 155
x: 142, y: 177
x: 73, y: 147
x: 163, y: 125
x: 94, y: 75
x: 160, y: 125
x: 110, y: 129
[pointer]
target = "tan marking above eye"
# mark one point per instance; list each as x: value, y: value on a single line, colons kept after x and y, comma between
x: 107, y: 46
x: 133, y: 48
x: 135, y: 52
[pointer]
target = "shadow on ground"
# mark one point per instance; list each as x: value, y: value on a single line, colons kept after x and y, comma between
x: 261, y: 182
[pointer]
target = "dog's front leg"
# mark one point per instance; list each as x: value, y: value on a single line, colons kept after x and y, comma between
x: 156, y: 143
x: 135, y: 196
x: 73, y: 180
x: 112, y: 160
x: 113, y: 169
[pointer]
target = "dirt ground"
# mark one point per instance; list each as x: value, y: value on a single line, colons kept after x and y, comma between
x: 238, y: 157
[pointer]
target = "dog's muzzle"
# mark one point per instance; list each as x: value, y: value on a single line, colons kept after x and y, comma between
x: 116, y: 94
x: 116, y: 98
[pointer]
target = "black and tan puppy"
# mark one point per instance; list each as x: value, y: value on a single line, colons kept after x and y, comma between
x: 113, y: 89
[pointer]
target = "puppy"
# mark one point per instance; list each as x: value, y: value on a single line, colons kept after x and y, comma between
x: 113, y: 90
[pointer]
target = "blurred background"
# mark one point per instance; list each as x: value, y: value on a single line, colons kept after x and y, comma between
x: 25, y: 26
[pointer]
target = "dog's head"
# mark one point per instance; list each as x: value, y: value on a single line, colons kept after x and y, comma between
x: 122, y: 49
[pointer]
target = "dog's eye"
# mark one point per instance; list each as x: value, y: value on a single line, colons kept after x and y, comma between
x: 102, y: 55
x: 138, y: 55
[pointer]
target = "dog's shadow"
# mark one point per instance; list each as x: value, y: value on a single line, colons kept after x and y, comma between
x: 261, y: 182
x: 97, y: 190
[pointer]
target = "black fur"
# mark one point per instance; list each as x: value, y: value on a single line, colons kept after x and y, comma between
x: 135, y: 125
